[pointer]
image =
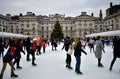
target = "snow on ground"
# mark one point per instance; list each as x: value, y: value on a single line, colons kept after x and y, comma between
x: 51, y: 65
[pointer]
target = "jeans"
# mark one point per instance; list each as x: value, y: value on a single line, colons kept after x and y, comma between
x: 78, y: 62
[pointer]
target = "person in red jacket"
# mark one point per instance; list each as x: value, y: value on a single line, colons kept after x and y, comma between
x: 40, y: 41
x: 32, y: 50
x: 44, y: 46
x: 8, y: 59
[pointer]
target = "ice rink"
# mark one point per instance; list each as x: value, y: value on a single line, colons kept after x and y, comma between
x: 51, y: 65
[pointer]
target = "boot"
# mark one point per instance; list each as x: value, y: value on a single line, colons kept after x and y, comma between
x: 18, y: 67
x: 78, y: 71
x: 14, y: 75
x: 66, y: 66
x: 34, y: 64
x: 69, y: 67
x: 100, y: 65
x: 28, y: 59
x: 0, y: 76
x: 110, y: 68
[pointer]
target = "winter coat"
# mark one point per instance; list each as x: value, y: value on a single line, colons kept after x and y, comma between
x: 34, y: 45
x: 98, y: 49
x: 40, y: 41
x: 44, y: 46
x: 18, y: 51
x: 116, y: 50
x: 66, y: 45
x: 78, y: 50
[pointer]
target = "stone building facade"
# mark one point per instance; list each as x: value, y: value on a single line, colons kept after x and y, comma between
x: 4, y: 23
x: 79, y: 26
x: 112, y: 19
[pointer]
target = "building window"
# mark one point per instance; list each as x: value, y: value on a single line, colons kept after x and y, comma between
x: 66, y: 28
x: 33, y: 28
x: 33, y: 24
x: 117, y: 27
x: 47, y: 28
x: 95, y: 26
x: 42, y: 28
x: 22, y: 24
x: 90, y: 24
x: 80, y: 24
x: 71, y: 28
x: 85, y: 24
x: 101, y: 26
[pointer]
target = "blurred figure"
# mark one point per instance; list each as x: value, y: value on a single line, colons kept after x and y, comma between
x: 66, y: 45
x: 18, y: 51
x: 28, y: 44
x: 116, y: 52
x: 91, y: 44
x: 98, y: 51
x: 83, y: 43
x: 40, y: 41
x: 8, y: 59
x: 44, y: 46
x: 2, y: 46
x: 77, y: 54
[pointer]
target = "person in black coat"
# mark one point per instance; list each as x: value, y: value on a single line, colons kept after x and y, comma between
x: 17, y: 53
x: 28, y: 44
x: 77, y: 54
x: 2, y: 46
x: 66, y: 45
x: 116, y: 52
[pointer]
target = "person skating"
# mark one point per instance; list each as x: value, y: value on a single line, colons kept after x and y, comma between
x: 32, y: 51
x: 77, y: 53
x: 116, y: 52
x: 66, y: 45
x: 44, y: 46
x: 17, y: 53
x: 2, y: 46
x: 98, y: 51
x: 40, y: 43
x: 8, y: 59
x: 28, y: 44
x: 68, y: 58
x: 91, y: 44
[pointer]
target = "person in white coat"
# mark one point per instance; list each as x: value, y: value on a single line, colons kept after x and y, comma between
x: 98, y: 51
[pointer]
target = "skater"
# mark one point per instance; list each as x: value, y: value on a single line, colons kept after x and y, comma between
x: 8, y: 59
x: 55, y: 44
x: 83, y: 43
x: 68, y: 58
x: 2, y: 46
x: 77, y: 54
x: 91, y: 44
x: 66, y: 45
x: 40, y: 41
x: 17, y: 56
x: 116, y: 52
x: 32, y: 51
x: 44, y: 46
x: 28, y: 44
x: 98, y: 51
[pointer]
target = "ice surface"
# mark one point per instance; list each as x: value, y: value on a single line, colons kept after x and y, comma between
x: 51, y: 65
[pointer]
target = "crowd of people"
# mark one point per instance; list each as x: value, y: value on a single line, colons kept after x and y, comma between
x: 33, y: 47
x: 96, y: 45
